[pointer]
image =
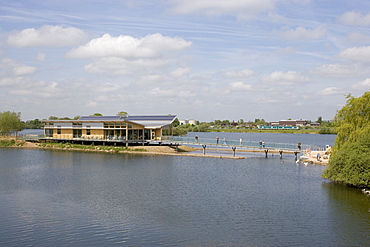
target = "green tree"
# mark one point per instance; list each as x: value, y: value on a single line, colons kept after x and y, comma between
x: 33, y: 124
x: 122, y: 114
x: 319, y: 119
x: 350, y: 163
x: 97, y: 114
x: 10, y: 121
x: 176, y: 122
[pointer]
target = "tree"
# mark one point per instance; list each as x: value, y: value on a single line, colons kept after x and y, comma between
x: 122, y: 114
x: 97, y: 114
x: 175, y: 122
x: 319, y: 119
x: 350, y: 163
x: 33, y: 124
x: 10, y: 121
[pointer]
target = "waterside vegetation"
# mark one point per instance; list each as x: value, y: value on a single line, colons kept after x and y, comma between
x: 350, y: 159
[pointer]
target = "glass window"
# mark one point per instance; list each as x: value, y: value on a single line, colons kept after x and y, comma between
x: 49, y: 132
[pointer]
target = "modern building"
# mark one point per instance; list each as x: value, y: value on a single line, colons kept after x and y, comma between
x: 300, y: 123
x: 128, y: 129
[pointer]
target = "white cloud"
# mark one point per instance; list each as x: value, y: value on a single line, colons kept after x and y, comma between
x: 129, y: 55
x: 41, y: 57
x: 364, y: 85
x: 107, y: 88
x: 241, y: 9
x: 47, y: 36
x: 289, y: 78
x: 91, y: 104
x: 38, y: 89
x: 301, y: 33
x: 358, y: 38
x: 12, y: 68
x: 339, y: 70
x: 352, y: 18
x: 157, y: 92
x: 179, y: 72
x: 240, y: 86
x: 239, y: 74
x: 357, y: 54
x: 330, y: 91
x: 151, y: 46
x: 124, y: 66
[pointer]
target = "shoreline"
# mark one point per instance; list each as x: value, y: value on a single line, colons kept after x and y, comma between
x: 144, y: 150
x: 183, y: 150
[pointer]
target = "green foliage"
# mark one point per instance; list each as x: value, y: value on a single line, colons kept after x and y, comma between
x: 6, y: 143
x: 33, y: 124
x: 351, y: 163
x: 122, y: 114
x: 350, y: 160
x: 66, y: 146
x: 175, y: 122
x: 10, y: 121
x: 327, y: 130
x: 352, y: 119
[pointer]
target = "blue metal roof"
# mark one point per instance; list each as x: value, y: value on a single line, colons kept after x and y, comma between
x: 151, y: 118
x: 154, y: 121
x: 100, y: 118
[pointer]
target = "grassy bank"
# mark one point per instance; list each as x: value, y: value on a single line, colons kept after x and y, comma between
x: 70, y: 146
x: 11, y: 143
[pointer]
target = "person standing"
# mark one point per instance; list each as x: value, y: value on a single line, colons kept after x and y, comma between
x: 217, y: 140
x: 241, y: 141
x: 196, y: 139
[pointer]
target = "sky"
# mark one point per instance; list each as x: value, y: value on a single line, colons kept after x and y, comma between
x: 197, y: 59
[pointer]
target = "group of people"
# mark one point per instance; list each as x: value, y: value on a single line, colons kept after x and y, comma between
x: 261, y: 143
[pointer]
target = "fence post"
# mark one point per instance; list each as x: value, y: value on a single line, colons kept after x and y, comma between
x: 233, y: 148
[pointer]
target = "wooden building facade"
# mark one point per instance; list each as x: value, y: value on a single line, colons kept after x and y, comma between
x: 111, y: 128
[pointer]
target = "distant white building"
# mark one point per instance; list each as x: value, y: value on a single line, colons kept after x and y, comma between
x: 188, y: 121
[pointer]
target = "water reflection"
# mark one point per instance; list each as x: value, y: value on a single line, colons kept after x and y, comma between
x: 53, y: 198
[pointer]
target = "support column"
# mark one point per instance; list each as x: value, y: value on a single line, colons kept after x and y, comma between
x: 233, y: 148
x: 296, y: 154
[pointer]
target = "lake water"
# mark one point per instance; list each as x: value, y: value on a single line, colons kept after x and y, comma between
x: 62, y: 198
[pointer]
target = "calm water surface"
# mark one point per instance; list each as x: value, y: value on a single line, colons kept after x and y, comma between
x: 53, y: 198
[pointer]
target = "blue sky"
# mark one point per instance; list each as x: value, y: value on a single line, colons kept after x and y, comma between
x: 203, y: 60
